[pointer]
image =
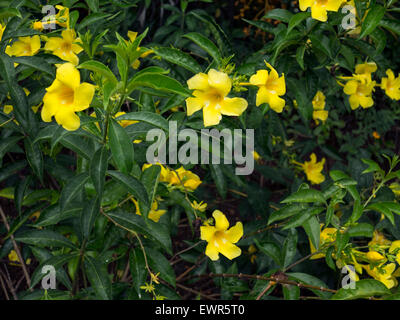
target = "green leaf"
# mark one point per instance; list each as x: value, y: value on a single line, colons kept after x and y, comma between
x: 364, y: 289
x: 219, y: 179
x: 271, y: 250
x: 383, y: 208
x: 150, y: 179
x: 312, y: 228
x: 148, y: 117
x: 88, y: 216
x: 6, y: 13
x: 19, y: 193
x: 135, y: 223
x: 286, y: 212
x: 302, y: 217
x: 78, y: 145
x: 372, y: 166
x: 98, y: 277
x: 391, y: 25
x: 291, y: 292
x: 36, y: 63
x: 311, y: 280
x: 178, y: 57
x: 308, y: 195
x: 99, y: 68
x: 121, y: 147
x: 361, y: 230
x: 44, y: 238
x: 34, y: 157
x: 159, y: 263
x: 158, y: 82
x: 296, y: 20
x: 371, y: 21
x: 279, y: 14
x: 206, y: 44
x: 300, y: 56
x: 289, y: 247
x: 90, y: 19
x: 135, y: 187
x: 98, y: 168
x: 72, y: 188
x: 138, y: 269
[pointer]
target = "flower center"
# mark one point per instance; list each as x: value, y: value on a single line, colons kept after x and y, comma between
x: 66, y: 47
x: 66, y: 95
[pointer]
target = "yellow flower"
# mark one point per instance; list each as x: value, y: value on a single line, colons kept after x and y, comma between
x: 154, y: 277
x: 374, y: 256
x: 376, y: 135
x: 378, y: 239
x: 154, y: 214
x: 270, y: 87
x: 160, y: 297
x: 395, y: 187
x: 391, y: 85
x: 394, y: 249
x: 132, y: 37
x: 13, y: 257
x: 66, y: 96
x: 220, y: 239
x: 24, y: 46
x: 65, y: 48
x: 383, y: 274
x: 148, y: 288
x: 2, y: 28
x: 256, y: 156
x: 326, y: 235
x: 210, y: 94
x: 366, y: 68
x: 124, y: 123
x: 359, y: 87
x: 313, y: 169
x: 199, y: 206
x: 37, y: 25
x: 319, y: 8
x: 188, y: 179
x: 165, y: 173
x: 319, y: 105
x: 62, y: 16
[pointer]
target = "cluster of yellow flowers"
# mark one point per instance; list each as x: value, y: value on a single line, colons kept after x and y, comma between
x: 211, y: 91
x: 360, y: 85
x: 379, y: 262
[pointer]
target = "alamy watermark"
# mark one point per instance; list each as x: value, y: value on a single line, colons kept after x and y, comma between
x: 209, y: 141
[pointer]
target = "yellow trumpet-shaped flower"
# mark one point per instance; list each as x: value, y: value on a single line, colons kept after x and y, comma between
x: 366, y: 68
x: 24, y: 46
x: 210, y: 94
x: 374, y: 256
x: 62, y: 16
x: 220, y: 239
x: 378, y: 239
x: 391, y: 85
x: 66, y: 96
x: 313, y: 169
x: 270, y: 88
x: 325, y: 236
x: 395, y: 249
x: 383, y: 273
x: 154, y: 213
x: 67, y: 47
x: 359, y: 87
x: 319, y: 8
x: 165, y: 174
x: 185, y: 178
x: 319, y: 105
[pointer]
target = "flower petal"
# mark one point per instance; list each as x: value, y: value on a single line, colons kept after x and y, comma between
x: 83, y: 96
x: 230, y: 251
x: 68, y: 119
x: 207, y: 232
x: 193, y: 105
x: 211, y: 116
x: 220, y: 81
x: 233, y: 106
x: 69, y: 75
x: 221, y: 222
x: 198, y: 81
x: 260, y: 78
x: 235, y: 233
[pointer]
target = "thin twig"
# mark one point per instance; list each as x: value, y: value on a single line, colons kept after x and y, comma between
x: 4, y: 287
x: 24, y: 268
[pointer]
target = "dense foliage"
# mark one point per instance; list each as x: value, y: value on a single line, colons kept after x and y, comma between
x: 82, y: 83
